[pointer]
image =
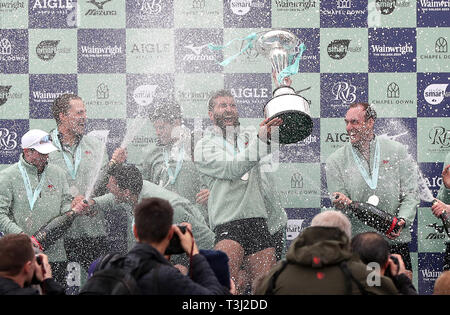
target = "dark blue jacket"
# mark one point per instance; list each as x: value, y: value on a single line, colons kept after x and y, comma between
x: 49, y: 286
x: 165, y: 279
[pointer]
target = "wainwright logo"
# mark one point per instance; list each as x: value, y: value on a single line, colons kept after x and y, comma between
x: 108, y: 51
x: 400, y: 50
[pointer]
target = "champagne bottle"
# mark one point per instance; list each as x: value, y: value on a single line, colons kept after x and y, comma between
x: 380, y: 220
x: 48, y: 234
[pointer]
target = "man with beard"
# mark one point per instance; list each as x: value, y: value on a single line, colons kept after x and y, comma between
x: 79, y: 155
x: 229, y: 163
x: 170, y: 164
x: 375, y: 170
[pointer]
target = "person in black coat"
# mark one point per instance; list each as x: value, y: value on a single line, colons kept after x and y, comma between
x: 153, y: 230
x: 22, y: 272
x: 372, y: 248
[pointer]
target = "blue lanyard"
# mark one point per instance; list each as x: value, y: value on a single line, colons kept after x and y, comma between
x: 32, y: 196
x: 172, y: 175
x: 371, y: 181
x: 231, y: 148
x: 71, y: 168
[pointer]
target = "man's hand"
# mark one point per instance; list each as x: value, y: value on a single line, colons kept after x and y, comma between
x: 76, y: 200
x: 119, y: 156
x: 202, y: 196
x: 43, y: 270
x: 438, y: 208
x: 266, y: 128
x: 79, y: 206
x: 340, y: 201
x: 400, y: 268
x: 394, y: 235
x: 187, y: 239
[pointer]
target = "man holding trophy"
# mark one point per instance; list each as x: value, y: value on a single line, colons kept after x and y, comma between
x: 229, y: 162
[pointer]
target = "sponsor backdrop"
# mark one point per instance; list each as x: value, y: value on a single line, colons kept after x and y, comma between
x: 125, y: 57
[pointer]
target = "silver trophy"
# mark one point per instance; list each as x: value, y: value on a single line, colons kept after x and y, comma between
x: 293, y: 109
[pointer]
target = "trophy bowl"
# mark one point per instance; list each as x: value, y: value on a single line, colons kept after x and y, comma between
x: 279, y: 46
x: 293, y: 109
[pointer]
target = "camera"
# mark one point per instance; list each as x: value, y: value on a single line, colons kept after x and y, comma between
x: 35, y: 280
x: 174, y: 247
x: 388, y: 270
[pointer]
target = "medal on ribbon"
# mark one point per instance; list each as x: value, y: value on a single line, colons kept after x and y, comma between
x: 372, y: 181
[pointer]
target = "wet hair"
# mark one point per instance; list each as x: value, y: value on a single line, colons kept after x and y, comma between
x: 153, y: 218
x: 61, y: 105
x: 371, y: 247
x: 127, y: 176
x: 167, y: 111
x: 370, y: 111
x: 220, y: 93
x: 333, y: 218
x: 15, y: 251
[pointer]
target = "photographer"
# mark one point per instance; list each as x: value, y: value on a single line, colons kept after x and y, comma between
x: 153, y: 231
x: 20, y: 268
x: 371, y: 247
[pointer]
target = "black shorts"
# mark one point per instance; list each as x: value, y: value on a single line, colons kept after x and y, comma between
x: 252, y: 234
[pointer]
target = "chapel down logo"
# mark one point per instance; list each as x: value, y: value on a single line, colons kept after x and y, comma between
x: 297, y: 180
x: 393, y: 90
x: 5, y: 47
x: 440, y: 50
x: 198, y: 4
x: 7, y: 53
x: 441, y: 45
x: 343, y: 4
x: 102, y: 91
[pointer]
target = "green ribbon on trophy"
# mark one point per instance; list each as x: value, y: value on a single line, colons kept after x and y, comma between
x: 290, y: 69
x: 250, y: 39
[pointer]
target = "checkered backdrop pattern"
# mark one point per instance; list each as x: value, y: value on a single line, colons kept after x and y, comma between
x: 123, y: 57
